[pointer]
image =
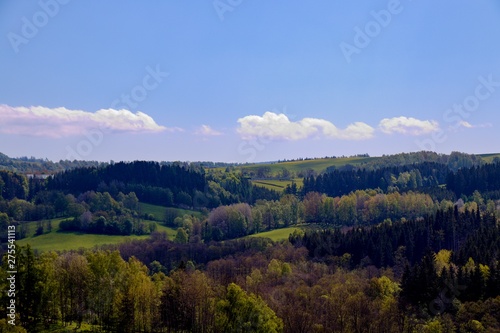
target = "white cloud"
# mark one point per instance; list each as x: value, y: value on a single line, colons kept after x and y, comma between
x: 277, y: 126
x: 465, y: 124
x: 206, y: 130
x: 410, y: 126
x: 62, y: 122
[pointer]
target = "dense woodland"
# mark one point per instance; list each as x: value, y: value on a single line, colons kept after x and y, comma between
x: 407, y: 243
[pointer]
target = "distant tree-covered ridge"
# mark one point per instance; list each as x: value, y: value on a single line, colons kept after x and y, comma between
x: 339, y: 182
x: 454, y: 161
x: 177, y: 178
x: 41, y: 166
x: 162, y: 184
x: 484, y: 177
x: 305, y: 167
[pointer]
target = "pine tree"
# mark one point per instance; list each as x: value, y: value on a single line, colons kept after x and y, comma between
x: 30, y: 292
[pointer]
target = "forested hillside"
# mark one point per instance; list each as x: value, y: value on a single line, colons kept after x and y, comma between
x: 403, y: 243
x: 40, y: 166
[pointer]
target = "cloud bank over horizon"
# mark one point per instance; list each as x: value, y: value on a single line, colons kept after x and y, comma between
x: 279, y: 127
x: 62, y: 122
x: 408, y: 126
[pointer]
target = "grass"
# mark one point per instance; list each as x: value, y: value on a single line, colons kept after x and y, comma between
x: 159, y: 211
x: 488, y: 158
x: 32, y: 226
x: 61, y: 241
x: 277, y: 185
x: 171, y: 232
x: 277, y: 234
x: 318, y: 165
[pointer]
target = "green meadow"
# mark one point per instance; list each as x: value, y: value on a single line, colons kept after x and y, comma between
x: 277, y: 234
x: 283, y: 233
x: 318, y: 165
x: 61, y: 241
x: 276, y: 184
x: 158, y: 212
x: 488, y: 158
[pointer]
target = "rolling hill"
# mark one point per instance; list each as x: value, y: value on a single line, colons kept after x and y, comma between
x: 63, y: 241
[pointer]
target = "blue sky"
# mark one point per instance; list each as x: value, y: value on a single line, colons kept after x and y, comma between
x: 247, y: 81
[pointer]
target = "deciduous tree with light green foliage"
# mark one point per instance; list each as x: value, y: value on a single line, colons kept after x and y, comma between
x: 181, y: 237
x: 242, y: 312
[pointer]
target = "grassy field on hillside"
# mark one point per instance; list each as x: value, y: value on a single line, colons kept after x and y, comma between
x: 318, y: 165
x: 159, y: 211
x: 489, y: 157
x: 277, y: 185
x: 283, y: 233
x: 277, y: 234
x: 60, y: 241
